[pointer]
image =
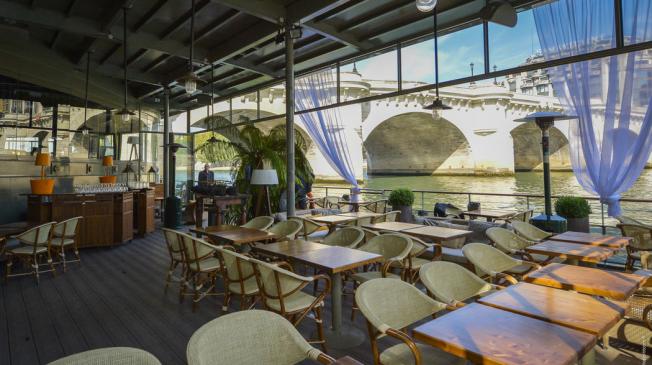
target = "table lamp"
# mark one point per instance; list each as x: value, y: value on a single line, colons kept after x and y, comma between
x: 545, y: 120
x: 42, y: 186
x: 265, y: 178
x: 107, y: 162
x: 128, y: 170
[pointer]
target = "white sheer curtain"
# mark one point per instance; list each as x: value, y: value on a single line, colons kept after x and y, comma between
x: 325, y: 126
x: 612, y: 140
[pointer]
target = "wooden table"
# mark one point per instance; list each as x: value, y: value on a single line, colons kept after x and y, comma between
x: 220, y: 204
x: 593, y: 239
x: 437, y: 234
x: 355, y: 206
x: 332, y: 220
x: 490, y: 336
x: 489, y: 214
x: 573, y: 310
x: 360, y: 214
x: 587, y: 280
x: 233, y: 234
x: 571, y: 251
x: 391, y: 226
x: 333, y: 260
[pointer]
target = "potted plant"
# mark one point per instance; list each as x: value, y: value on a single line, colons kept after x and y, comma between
x: 576, y: 210
x: 402, y: 199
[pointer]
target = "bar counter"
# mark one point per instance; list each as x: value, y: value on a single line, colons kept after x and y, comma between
x: 108, y: 217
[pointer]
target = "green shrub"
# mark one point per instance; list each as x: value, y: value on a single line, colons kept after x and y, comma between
x: 401, y: 197
x: 572, y: 207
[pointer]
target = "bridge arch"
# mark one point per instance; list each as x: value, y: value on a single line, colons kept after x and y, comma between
x: 527, y: 148
x: 414, y: 143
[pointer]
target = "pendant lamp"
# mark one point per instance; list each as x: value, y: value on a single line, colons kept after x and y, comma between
x: 124, y: 113
x: 84, y: 129
x: 190, y: 80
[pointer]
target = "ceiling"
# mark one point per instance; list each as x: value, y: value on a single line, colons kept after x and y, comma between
x: 46, y: 42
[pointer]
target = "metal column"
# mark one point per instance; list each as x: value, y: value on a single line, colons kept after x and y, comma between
x: 289, y: 115
x: 545, y: 125
x: 166, y: 143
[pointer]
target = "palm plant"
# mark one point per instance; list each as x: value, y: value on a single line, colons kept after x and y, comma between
x: 248, y: 148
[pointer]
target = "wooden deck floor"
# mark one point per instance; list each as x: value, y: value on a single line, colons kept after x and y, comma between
x: 115, y: 298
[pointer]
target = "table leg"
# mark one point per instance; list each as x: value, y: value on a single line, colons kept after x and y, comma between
x: 341, y: 336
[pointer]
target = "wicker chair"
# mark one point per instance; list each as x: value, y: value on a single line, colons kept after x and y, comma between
x: 262, y: 222
x: 175, y: 250
x: 513, y: 244
x: 378, y: 206
x: 387, y: 217
x: 369, y: 234
x: 239, y: 278
x: 415, y: 262
x: 109, y: 356
x: 202, y: 267
x: 34, y: 246
x: 286, y: 230
x: 391, y: 305
x: 636, y: 326
x: 641, y: 243
x: 498, y: 266
x: 64, y: 237
x: 281, y: 291
x: 349, y: 237
x: 453, y: 284
x: 530, y: 232
x: 331, y: 202
x: 395, y: 249
x: 308, y: 226
x: 251, y: 337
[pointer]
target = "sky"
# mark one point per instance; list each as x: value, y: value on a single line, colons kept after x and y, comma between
x: 508, y: 47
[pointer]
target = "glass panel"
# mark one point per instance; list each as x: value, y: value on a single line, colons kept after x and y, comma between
x: 461, y: 53
x: 179, y: 123
x: 371, y: 75
x: 129, y: 146
x: 511, y: 47
x: 418, y: 63
x: 245, y: 107
x: 221, y: 168
x: 637, y: 21
x: 25, y: 141
x: 272, y: 100
x: 182, y: 169
x: 16, y: 112
x: 107, y: 146
x: 152, y: 148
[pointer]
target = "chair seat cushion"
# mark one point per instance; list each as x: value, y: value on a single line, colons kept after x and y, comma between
x: 250, y: 287
x: 295, y: 302
x: 57, y: 241
x: 401, y: 354
x: 519, y: 269
x: 27, y: 250
x: 206, y: 265
x: 362, y: 277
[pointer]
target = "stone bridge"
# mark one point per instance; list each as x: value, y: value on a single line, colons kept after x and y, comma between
x: 397, y: 136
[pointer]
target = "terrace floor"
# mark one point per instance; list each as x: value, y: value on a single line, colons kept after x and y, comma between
x: 116, y: 298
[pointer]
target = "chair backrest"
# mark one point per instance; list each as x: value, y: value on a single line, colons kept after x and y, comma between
x: 392, y: 216
x: 37, y: 236
x: 628, y: 220
x: 488, y: 259
x: 286, y: 229
x: 331, y: 202
x: 369, y: 234
x: 393, y: 303
x: 262, y: 222
x: 173, y: 242
x: 195, y: 250
x: 450, y: 282
x: 308, y: 225
x: 506, y: 240
x: 349, y: 237
x: 362, y: 221
x: 249, y: 337
x: 237, y: 267
x: 642, y: 235
x: 67, y: 228
x: 276, y: 283
x: 419, y: 246
x: 390, y: 246
x: 529, y: 231
x: 110, y: 355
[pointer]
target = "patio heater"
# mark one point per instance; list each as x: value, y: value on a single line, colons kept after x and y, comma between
x: 544, y: 120
x: 172, y: 202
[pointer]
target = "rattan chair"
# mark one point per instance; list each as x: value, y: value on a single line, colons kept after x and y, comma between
x: 109, y: 356
x: 395, y: 249
x: 391, y: 305
x: 387, y: 217
x: 202, y: 267
x: 175, y: 251
x: 369, y: 234
x: 281, y: 292
x: 308, y: 227
x: 641, y: 243
x: 262, y: 222
x: 530, y: 232
x: 286, y: 230
x: 239, y: 278
x: 34, y: 246
x: 498, y: 266
x: 378, y: 206
x: 332, y: 202
x: 65, y: 237
x: 452, y: 283
x: 513, y: 244
x: 419, y: 248
x: 251, y: 337
x: 349, y: 237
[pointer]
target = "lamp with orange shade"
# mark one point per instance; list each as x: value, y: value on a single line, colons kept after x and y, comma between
x: 107, y: 162
x: 42, y: 186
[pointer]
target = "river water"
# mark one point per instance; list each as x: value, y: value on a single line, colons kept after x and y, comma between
x: 563, y: 183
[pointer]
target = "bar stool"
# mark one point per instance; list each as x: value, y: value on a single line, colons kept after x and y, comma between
x: 34, y: 245
x: 64, y: 237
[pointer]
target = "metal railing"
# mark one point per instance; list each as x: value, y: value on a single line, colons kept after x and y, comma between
x: 425, y: 200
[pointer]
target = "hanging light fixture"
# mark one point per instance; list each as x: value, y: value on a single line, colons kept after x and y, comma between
x: 437, y: 105
x: 84, y: 128
x: 124, y: 113
x: 211, y: 111
x: 190, y: 80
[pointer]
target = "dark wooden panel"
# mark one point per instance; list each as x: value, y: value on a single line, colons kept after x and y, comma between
x: 98, y: 221
x: 123, y: 217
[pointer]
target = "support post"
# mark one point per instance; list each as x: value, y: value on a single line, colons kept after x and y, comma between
x: 545, y: 125
x: 166, y: 143
x: 289, y: 115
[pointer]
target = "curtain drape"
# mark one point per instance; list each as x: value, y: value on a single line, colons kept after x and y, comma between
x: 325, y: 127
x: 612, y: 139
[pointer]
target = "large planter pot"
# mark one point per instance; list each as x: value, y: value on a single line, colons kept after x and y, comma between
x: 406, y: 213
x: 42, y: 187
x: 108, y: 179
x: 578, y: 224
